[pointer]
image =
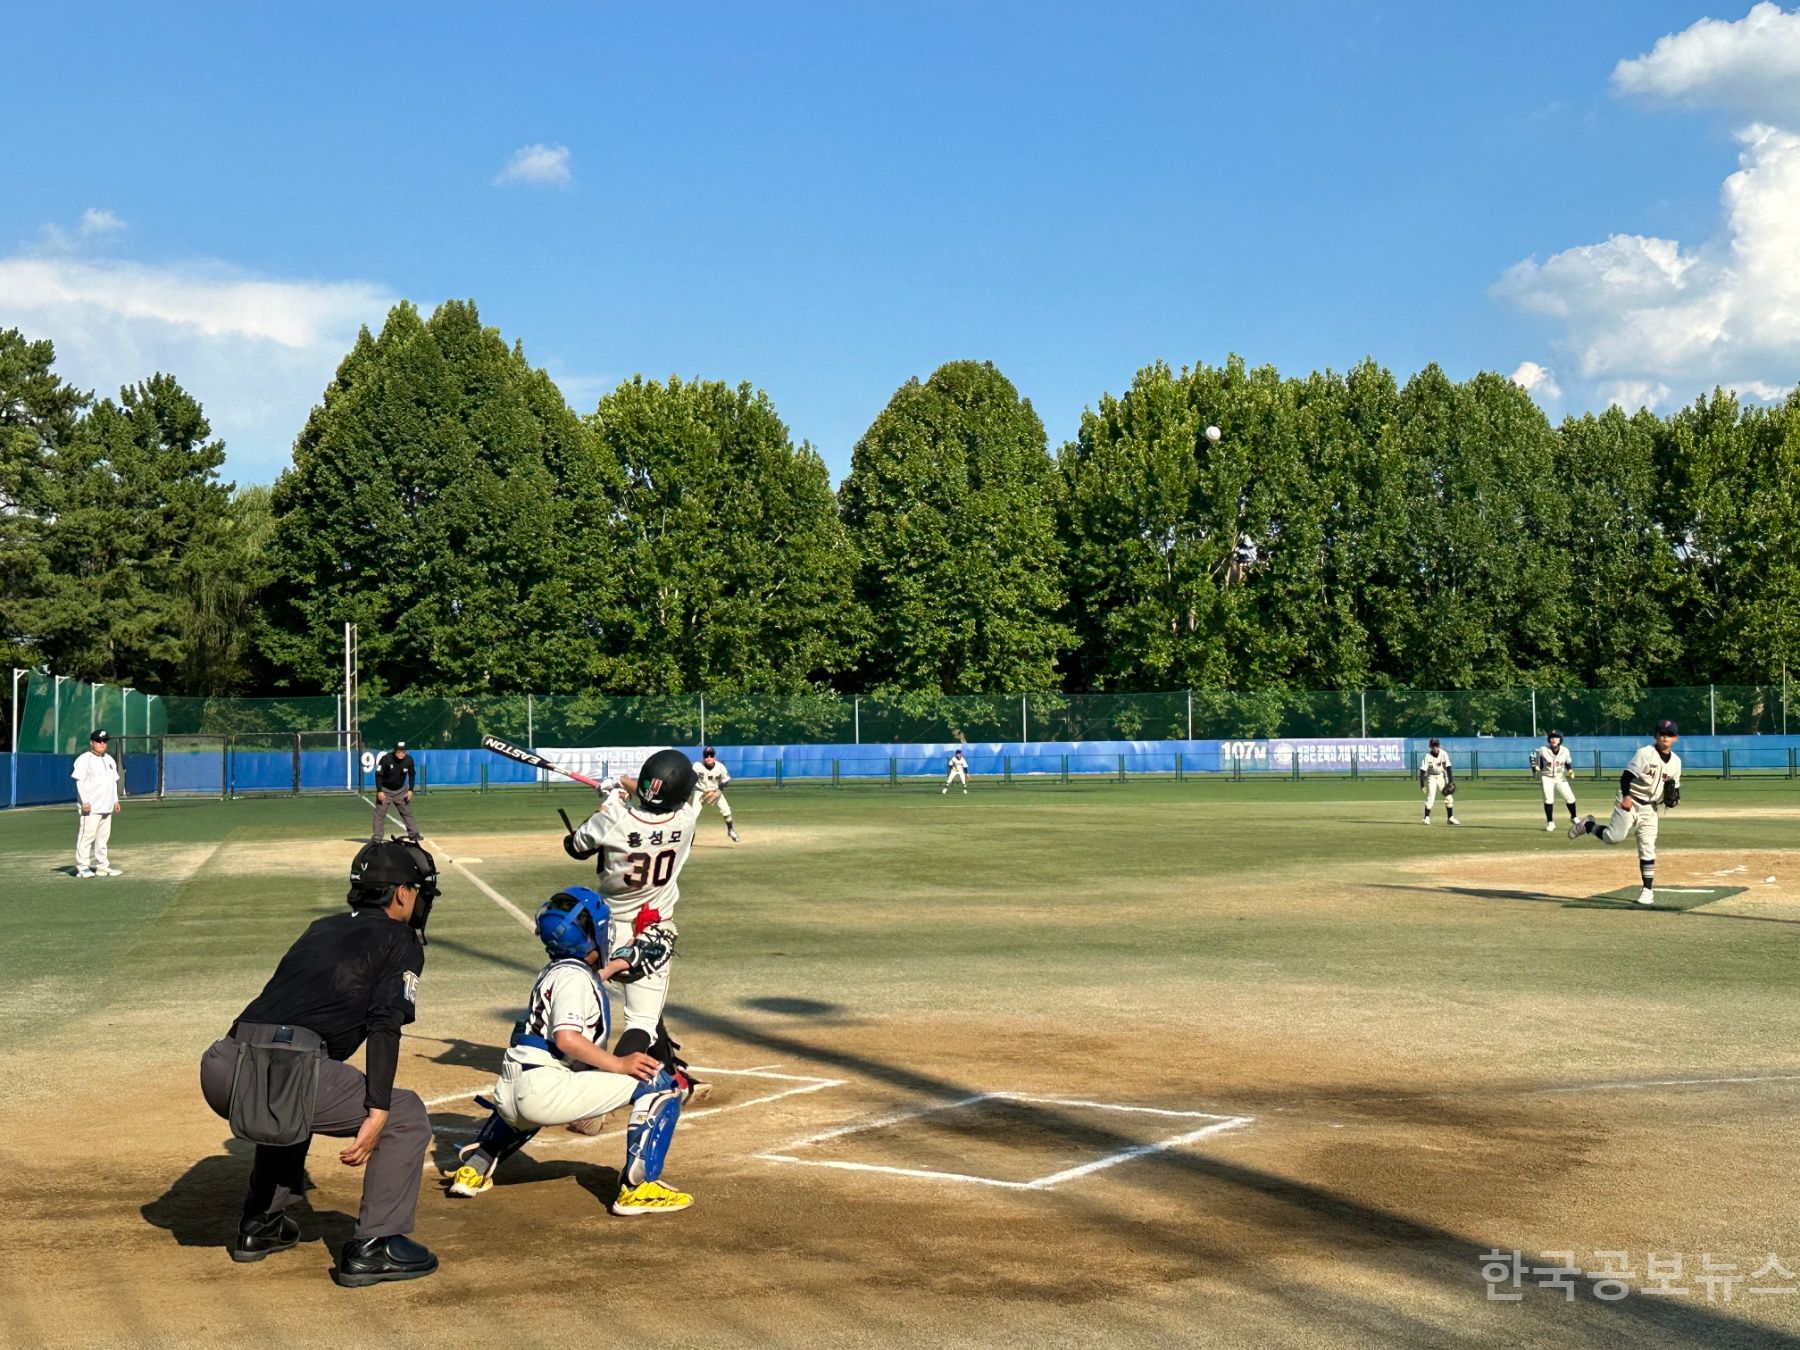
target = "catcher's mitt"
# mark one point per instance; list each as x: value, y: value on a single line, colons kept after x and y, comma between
x: 648, y: 952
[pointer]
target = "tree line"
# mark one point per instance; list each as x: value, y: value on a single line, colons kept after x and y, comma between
x: 1343, y: 531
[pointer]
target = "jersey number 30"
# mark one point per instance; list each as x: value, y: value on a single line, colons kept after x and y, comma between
x: 646, y: 869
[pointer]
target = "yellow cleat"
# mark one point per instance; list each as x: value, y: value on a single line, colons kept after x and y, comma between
x: 469, y: 1183
x: 650, y: 1197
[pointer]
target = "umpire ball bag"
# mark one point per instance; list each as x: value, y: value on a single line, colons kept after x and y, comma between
x: 277, y: 1079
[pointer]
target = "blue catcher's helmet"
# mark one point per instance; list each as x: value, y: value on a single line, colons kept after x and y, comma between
x: 572, y: 923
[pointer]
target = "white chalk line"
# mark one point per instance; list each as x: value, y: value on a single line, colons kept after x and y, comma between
x: 1640, y: 1084
x: 480, y: 885
x: 1219, y: 1125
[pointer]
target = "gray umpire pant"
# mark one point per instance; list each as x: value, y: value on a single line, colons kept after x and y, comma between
x: 390, y: 1195
x: 396, y: 801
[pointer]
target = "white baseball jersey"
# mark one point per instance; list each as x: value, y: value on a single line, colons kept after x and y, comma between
x: 1552, y: 764
x: 566, y: 995
x: 641, y: 855
x: 713, y: 779
x: 97, y: 782
x: 958, y: 762
x: 1650, y: 773
x: 1436, y: 764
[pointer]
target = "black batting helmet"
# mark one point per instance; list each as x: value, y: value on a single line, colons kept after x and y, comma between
x: 665, y: 782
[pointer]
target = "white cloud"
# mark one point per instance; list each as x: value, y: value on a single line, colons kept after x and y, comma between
x: 1637, y: 315
x: 256, y: 351
x: 95, y: 222
x: 538, y: 166
x: 1537, y: 380
x: 1751, y: 64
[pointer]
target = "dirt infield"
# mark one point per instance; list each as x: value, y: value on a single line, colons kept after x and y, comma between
x: 1316, y: 1125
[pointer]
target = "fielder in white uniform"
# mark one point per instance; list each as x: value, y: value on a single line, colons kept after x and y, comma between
x: 96, y: 778
x: 958, y: 772
x: 1551, y: 762
x: 1437, y: 777
x: 1650, y: 781
x: 558, y: 1072
x: 712, y: 777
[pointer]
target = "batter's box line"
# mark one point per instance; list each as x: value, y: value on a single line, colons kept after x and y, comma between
x: 1220, y: 1125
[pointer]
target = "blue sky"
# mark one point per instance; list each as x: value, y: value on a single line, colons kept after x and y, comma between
x: 826, y: 199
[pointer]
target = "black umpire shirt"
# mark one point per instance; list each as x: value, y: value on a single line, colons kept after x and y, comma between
x: 351, y: 977
x: 393, y: 773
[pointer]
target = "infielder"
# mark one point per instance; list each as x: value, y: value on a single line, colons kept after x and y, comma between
x: 958, y: 772
x: 1551, y: 762
x: 712, y: 777
x: 556, y: 1071
x: 96, y: 778
x: 1437, y: 776
x: 1652, y: 779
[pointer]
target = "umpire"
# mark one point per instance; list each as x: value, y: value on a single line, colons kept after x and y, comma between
x: 279, y: 1074
x: 396, y: 773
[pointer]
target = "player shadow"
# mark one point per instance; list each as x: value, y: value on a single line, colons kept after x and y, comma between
x: 796, y: 1007
x: 463, y: 1054
x: 1567, y: 902
x: 202, y: 1206
x: 1300, y: 1212
x: 522, y: 1169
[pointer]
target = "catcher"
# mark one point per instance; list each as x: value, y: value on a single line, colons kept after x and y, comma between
x: 557, y: 1071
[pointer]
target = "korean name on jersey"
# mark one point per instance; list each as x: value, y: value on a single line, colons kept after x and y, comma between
x: 640, y: 855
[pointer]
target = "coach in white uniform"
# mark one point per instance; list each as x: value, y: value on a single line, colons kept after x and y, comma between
x: 97, y: 786
x: 1651, y: 782
x: 1551, y: 762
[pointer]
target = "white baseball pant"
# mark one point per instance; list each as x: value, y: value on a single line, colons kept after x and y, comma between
x: 555, y: 1094
x: 643, y: 999
x: 1552, y: 786
x: 91, y: 840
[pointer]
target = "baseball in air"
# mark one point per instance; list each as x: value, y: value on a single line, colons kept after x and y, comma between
x: 1213, y: 433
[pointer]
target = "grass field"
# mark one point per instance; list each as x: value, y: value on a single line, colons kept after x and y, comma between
x: 1202, y: 1063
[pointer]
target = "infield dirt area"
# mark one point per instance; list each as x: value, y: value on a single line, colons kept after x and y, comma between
x: 1146, y: 1064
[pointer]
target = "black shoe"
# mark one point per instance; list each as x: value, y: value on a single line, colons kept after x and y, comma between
x: 262, y: 1235
x: 373, y: 1260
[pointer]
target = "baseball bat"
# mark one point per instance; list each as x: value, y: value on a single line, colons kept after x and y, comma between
x: 524, y: 756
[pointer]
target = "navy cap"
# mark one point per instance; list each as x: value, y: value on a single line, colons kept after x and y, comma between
x: 98, y: 734
x: 1553, y: 736
x: 1666, y: 728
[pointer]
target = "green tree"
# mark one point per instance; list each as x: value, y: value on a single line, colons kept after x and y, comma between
x: 445, y: 499
x: 1621, y: 630
x: 135, y: 507
x: 222, y: 616
x: 735, y: 572
x: 38, y: 414
x: 951, y: 504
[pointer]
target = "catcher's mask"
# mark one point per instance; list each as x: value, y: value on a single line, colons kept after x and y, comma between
x: 665, y: 782
x: 572, y: 923
x: 378, y: 868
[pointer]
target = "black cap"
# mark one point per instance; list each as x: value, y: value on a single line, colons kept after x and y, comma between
x: 1666, y: 728
x: 379, y: 866
x: 399, y: 745
x: 709, y: 754
x: 1434, y: 741
x: 98, y: 734
x: 1553, y: 735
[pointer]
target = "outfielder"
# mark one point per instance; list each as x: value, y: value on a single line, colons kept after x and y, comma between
x: 1551, y: 762
x: 1652, y: 779
x: 712, y: 777
x: 96, y: 778
x: 1437, y: 776
x: 556, y: 1071
x: 958, y: 772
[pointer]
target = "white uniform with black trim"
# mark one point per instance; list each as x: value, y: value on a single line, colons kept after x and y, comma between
x: 1436, y: 768
x: 1552, y: 768
x: 97, y: 786
x: 539, y: 1087
x: 1650, y: 774
x: 958, y: 770
x: 714, y: 779
x: 640, y: 858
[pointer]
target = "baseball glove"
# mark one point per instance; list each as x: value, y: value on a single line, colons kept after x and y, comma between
x: 1671, y: 796
x: 648, y: 952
